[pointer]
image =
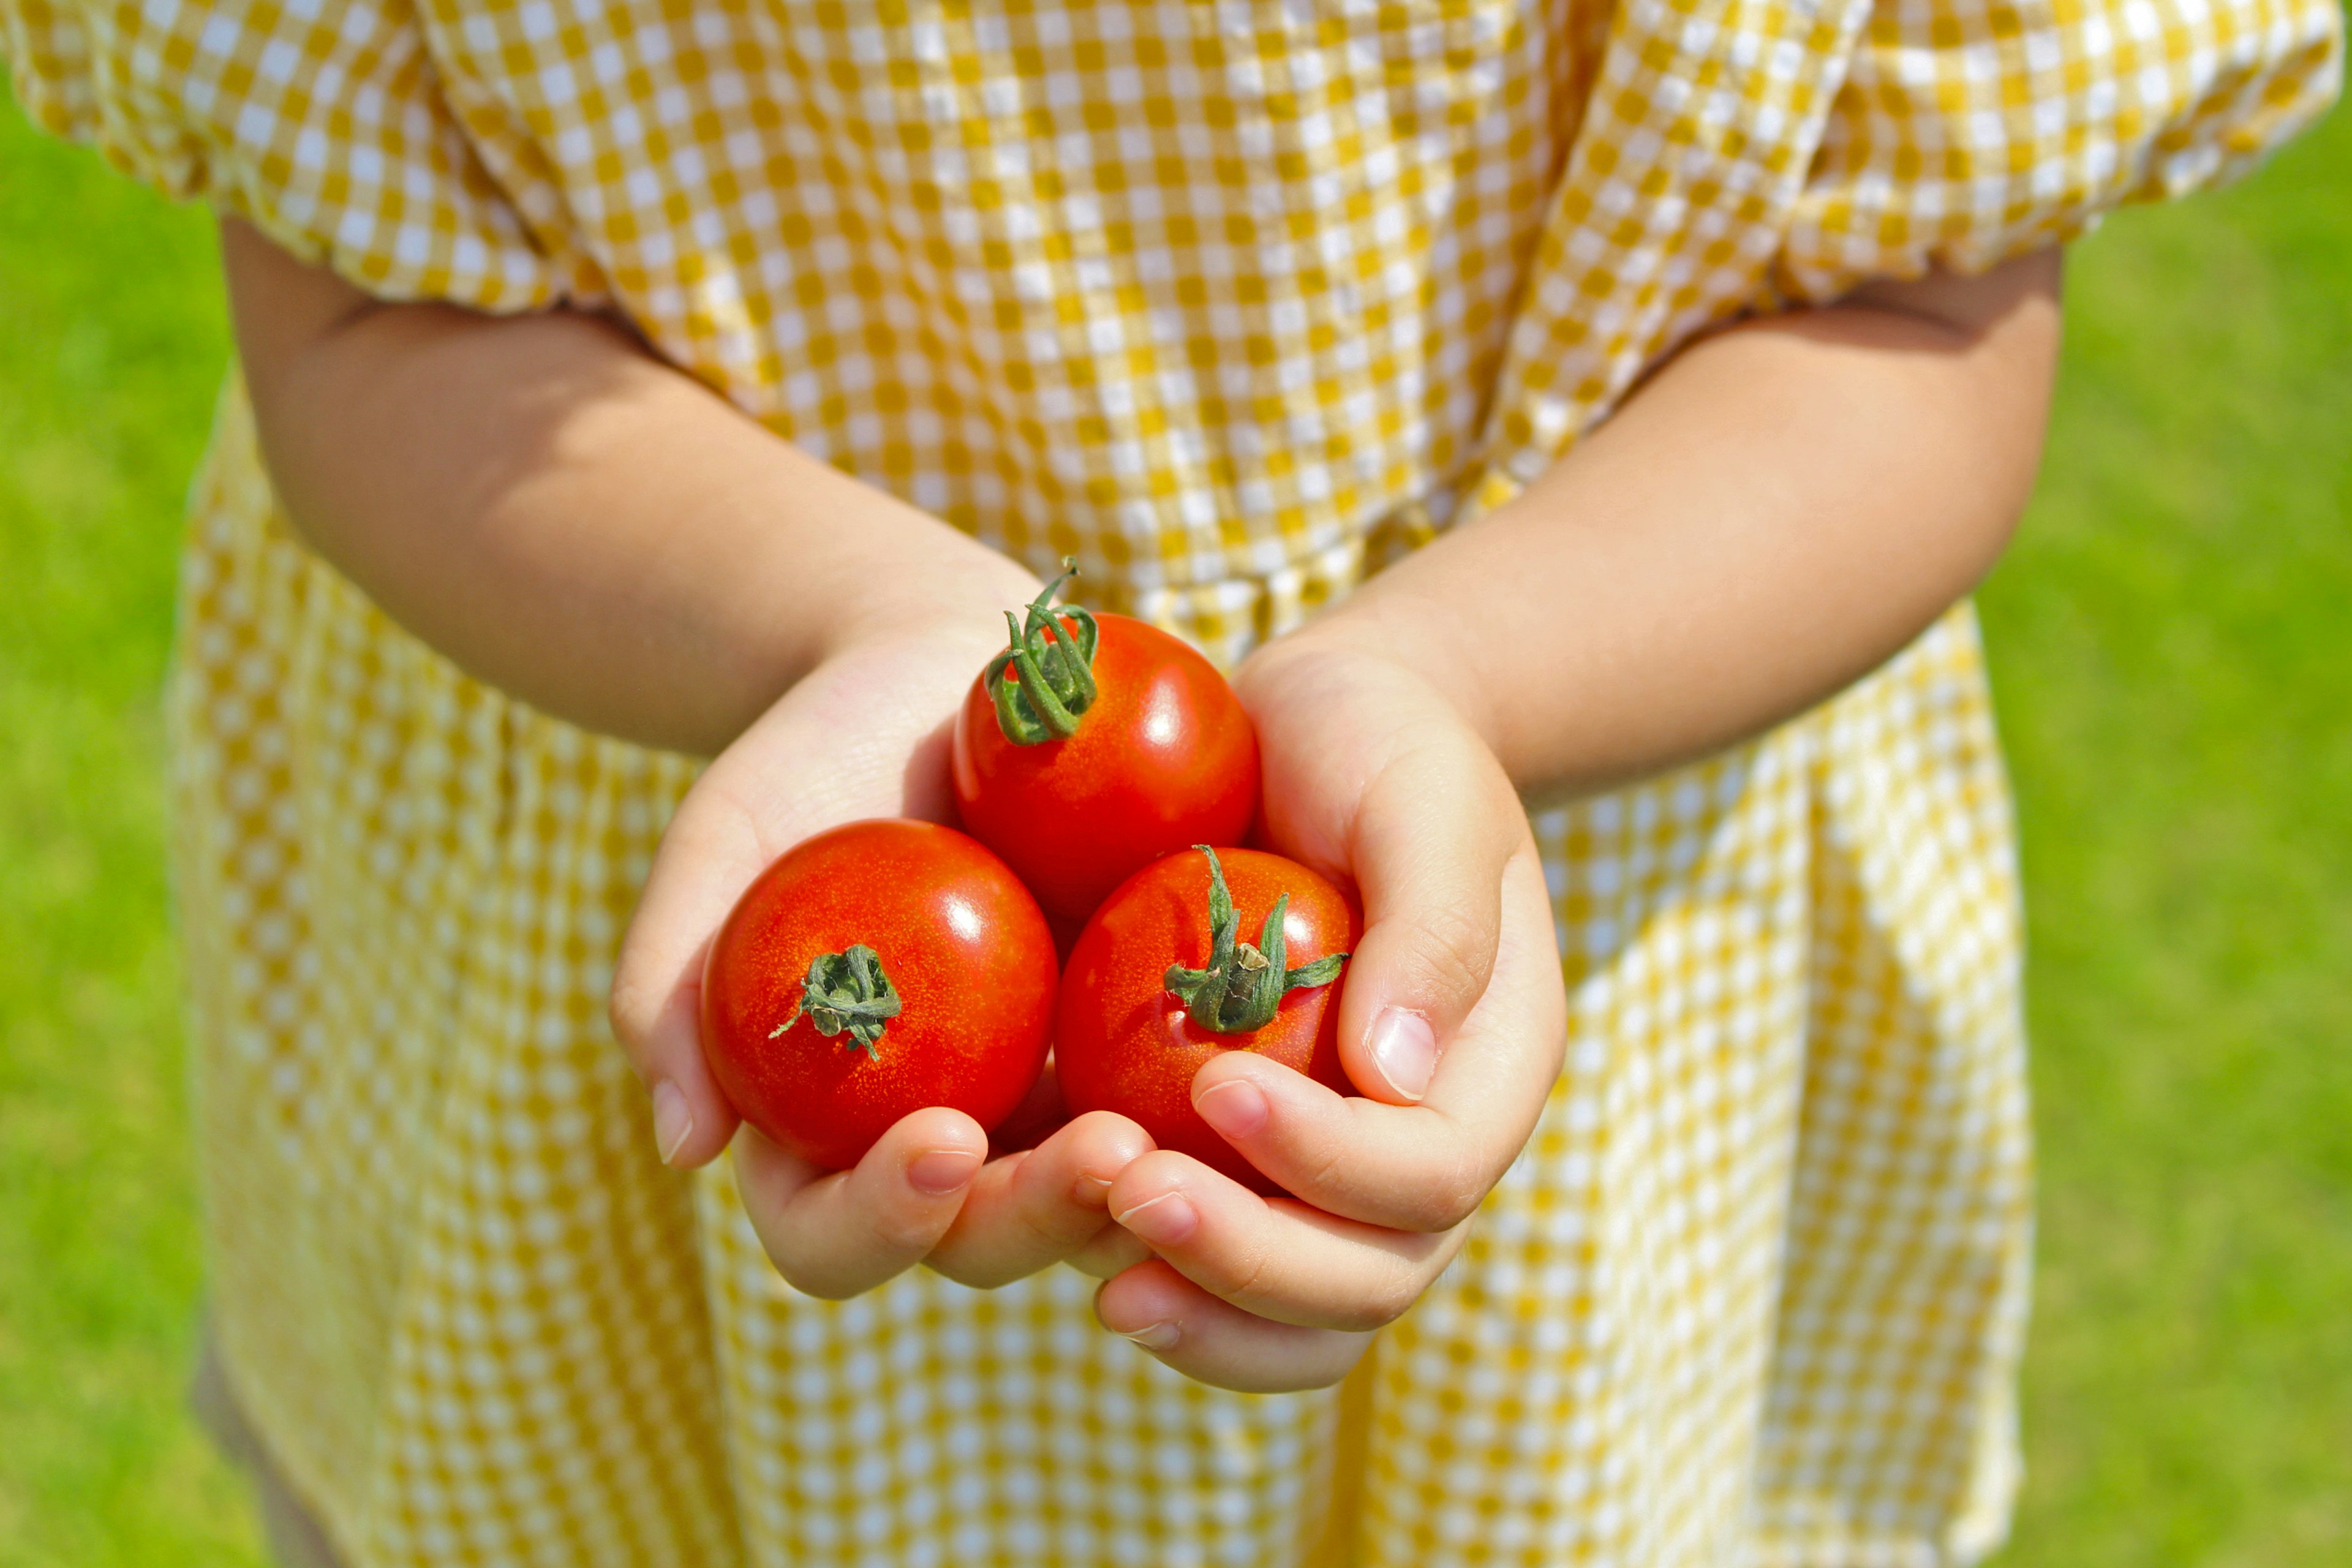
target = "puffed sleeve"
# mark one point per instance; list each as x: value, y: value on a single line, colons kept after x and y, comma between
x: 1969, y: 132
x: 324, y: 124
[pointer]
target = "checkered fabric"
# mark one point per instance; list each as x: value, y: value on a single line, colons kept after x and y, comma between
x: 1234, y: 301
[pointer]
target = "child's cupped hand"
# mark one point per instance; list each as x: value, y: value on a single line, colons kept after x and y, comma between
x: 1452, y: 1016
x: 1453, y: 1022
x: 864, y: 734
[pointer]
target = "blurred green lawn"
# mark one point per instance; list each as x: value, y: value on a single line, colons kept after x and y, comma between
x: 2172, y: 639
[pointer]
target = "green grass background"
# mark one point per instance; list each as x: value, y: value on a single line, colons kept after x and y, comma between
x: 2172, y: 643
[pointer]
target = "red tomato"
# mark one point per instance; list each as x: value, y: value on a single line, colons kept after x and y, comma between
x: 1125, y: 1039
x: 874, y: 969
x: 1158, y: 755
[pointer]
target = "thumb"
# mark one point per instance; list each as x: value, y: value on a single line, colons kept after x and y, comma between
x: 1434, y: 830
x: 798, y: 769
x: 706, y: 859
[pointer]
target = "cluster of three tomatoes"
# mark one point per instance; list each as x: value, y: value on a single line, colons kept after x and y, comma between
x: 1106, y: 776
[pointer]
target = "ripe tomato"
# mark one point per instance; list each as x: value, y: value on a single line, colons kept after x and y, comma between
x: 874, y: 969
x: 1137, y: 749
x: 1160, y: 982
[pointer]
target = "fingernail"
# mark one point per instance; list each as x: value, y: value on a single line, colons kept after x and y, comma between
x: 1155, y: 1336
x: 673, y: 1119
x: 1405, y: 1049
x: 1091, y: 1190
x: 941, y: 1171
x: 1235, y: 1108
x: 1162, y: 1221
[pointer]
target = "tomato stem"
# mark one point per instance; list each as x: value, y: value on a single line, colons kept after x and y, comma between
x: 1055, y: 666
x: 846, y: 993
x: 1243, y: 985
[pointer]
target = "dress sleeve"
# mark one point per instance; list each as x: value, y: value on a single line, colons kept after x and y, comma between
x: 323, y: 124
x: 1969, y: 131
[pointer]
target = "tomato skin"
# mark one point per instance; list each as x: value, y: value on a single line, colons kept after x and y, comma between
x: 961, y: 939
x: 1165, y: 758
x: 1122, y: 1041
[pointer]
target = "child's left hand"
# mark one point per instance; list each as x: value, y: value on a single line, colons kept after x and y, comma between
x: 1453, y: 1023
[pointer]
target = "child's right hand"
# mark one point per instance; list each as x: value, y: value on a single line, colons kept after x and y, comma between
x: 574, y: 520
x: 864, y: 734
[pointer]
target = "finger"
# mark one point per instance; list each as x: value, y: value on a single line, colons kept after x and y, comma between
x: 885, y: 750
x: 1274, y: 1257
x: 1211, y: 1342
x: 706, y: 858
x: 1113, y: 1250
x: 836, y: 1235
x: 1422, y: 1167
x: 724, y: 833
x: 1431, y: 877
x: 1033, y: 1208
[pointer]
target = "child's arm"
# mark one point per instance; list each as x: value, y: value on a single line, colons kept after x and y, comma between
x: 1781, y: 508
x: 571, y: 519
x: 1778, y: 510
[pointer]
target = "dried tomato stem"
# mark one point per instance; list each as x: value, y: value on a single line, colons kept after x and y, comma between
x: 848, y: 993
x: 1244, y: 986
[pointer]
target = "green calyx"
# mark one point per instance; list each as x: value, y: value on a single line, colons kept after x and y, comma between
x: 1243, y: 986
x: 1057, y: 670
x: 846, y: 992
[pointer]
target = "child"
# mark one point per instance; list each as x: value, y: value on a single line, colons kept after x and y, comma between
x: 625, y: 383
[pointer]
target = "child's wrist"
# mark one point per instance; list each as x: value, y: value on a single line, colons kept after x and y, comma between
x: 1425, y: 641
x: 911, y: 575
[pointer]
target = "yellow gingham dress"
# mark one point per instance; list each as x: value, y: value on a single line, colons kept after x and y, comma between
x: 1234, y: 301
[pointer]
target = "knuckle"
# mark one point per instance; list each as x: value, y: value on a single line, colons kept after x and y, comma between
x: 1047, y: 1220
x: 901, y: 1233
x: 971, y: 1273
x: 1052, y: 1241
x: 631, y: 1006
x: 1455, y: 946
x: 1327, y: 1172
x: 1454, y: 1198
x: 1323, y: 1361
x: 823, y: 1284
x: 1377, y: 1309
x: 1318, y: 1376
x: 1395, y: 1299
x: 1442, y: 1193
x: 621, y: 1010
x: 1111, y: 1251
x: 1452, y: 1188
x: 1246, y: 1283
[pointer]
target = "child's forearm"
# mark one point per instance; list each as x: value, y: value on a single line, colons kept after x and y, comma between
x: 1778, y: 510
x: 567, y: 517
